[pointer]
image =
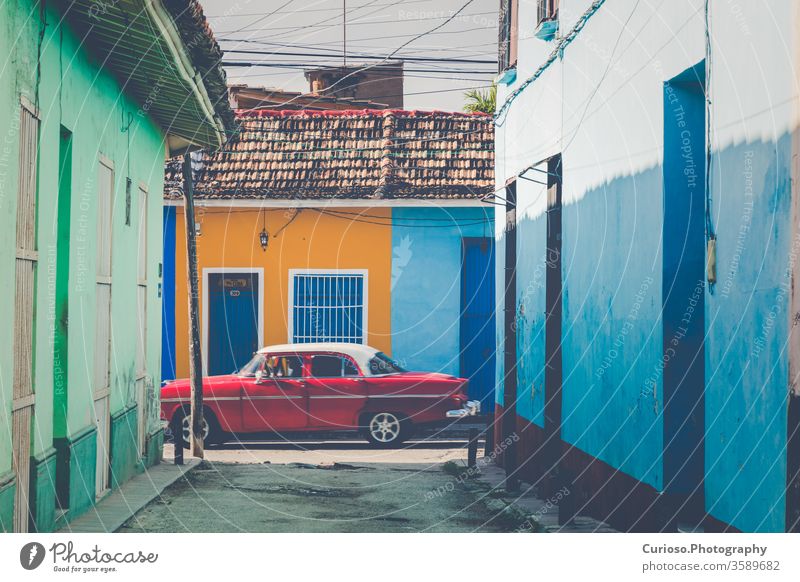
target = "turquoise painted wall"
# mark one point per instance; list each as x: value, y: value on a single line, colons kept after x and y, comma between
x: 747, y: 322
x: 426, y: 282
x: 612, y: 335
x: 531, y: 287
x: 602, y: 108
x: 70, y: 89
x: 748, y: 311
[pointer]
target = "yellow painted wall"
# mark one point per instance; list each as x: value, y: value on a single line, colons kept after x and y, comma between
x: 229, y: 238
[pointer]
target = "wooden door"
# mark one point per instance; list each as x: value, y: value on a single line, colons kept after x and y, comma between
x: 103, y: 339
x: 25, y: 289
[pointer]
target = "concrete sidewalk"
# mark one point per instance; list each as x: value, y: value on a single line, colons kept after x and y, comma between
x: 120, y: 505
x: 536, y: 513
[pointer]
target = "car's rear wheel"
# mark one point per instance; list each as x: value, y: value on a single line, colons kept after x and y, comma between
x: 212, y: 434
x: 386, y: 429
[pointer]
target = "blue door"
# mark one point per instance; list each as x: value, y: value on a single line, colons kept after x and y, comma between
x: 477, y: 318
x: 232, y: 321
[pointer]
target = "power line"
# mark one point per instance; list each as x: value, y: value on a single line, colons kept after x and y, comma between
x: 299, y: 65
x: 264, y: 17
x: 306, y: 10
x: 363, y: 56
x: 322, y: 24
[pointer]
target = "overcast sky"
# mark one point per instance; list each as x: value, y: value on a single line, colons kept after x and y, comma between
x: 374, y: 28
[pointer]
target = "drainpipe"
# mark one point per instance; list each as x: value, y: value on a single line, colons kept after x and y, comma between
x: 195, y: 357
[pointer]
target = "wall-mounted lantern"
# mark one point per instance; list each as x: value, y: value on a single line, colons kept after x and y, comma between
x: 264, y: 239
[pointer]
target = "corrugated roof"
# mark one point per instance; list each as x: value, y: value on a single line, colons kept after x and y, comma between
x: 349, y: 154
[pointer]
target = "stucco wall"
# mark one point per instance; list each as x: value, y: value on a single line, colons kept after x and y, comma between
x: 312, y: 240
x: 74, y: 92
x: 601, y: 104
x: 748, y: 314
x: 426, y: 283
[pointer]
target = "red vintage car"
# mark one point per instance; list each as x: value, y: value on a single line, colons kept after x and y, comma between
x: 320, y: 387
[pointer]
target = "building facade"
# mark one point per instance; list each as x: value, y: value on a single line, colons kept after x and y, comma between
x: 359, y: 226
x: 86, y: 124
x: 646, y: 158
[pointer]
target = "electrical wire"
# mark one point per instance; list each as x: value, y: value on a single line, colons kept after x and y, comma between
x: 364, y: 56
x: 264, y: 17
x: 272, y: 65
x: 402, y: 46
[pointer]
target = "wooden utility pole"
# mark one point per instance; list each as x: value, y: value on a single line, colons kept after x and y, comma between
x: 344, y: 33
x: 195, y: 357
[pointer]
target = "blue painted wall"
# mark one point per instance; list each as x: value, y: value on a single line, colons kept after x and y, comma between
x: 747, y: 321
x: 168, y: 294
x: 612, y: 324
x: 683, y: 284
x: 531, y: 287
x: 426, y: 282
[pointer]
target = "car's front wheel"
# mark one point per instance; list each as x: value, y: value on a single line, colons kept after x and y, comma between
x: 386, y: 429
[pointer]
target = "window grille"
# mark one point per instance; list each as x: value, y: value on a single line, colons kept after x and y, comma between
x: 328, y: 307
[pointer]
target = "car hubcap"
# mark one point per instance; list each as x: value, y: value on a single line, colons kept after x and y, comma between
x: 186, y: 426
x: 384, y: 427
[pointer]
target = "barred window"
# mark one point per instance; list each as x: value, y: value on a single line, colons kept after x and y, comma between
x: 328, y: 306
x: 507, y: 42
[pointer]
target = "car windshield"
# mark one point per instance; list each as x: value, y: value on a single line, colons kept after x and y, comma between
x: 383, y: 364
x: 253, y: 366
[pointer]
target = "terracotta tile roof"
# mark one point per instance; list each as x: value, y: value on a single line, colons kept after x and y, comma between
x: 349, y: 154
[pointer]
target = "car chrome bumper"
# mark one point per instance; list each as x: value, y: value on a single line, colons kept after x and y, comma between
x: 470, y: 408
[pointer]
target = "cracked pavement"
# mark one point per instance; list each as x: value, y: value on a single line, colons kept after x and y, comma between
x: 325, y: 486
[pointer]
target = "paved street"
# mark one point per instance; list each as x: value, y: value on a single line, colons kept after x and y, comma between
x: 326, y: 486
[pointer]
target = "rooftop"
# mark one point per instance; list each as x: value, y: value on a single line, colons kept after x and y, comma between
x: 164, y: 54
x: 390, y: 154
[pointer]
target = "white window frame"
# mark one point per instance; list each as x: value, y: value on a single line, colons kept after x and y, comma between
x: 204, y: 294
x: 365, y: 300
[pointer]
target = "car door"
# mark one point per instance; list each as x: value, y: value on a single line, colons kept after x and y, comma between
x: 276, y: 398
x: 337, y: 391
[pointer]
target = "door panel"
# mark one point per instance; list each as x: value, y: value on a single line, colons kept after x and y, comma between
x: 233, y: 316
x: 274, y: 405
x: 102, y: 421
x: 477, y: 319
x: 336, y: 391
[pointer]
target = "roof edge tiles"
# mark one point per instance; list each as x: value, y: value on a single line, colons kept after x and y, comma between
x: 353, y: 154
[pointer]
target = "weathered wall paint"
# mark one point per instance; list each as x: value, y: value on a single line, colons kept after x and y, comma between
x: 612, y: 324
x: 531, y: 307
x: 312, y: 240
x: 602, y: 105
x: 426, y: 283
x: 123, y: 446
x: 748, y: 311
x: 7, y: 489
x: 71, y: 90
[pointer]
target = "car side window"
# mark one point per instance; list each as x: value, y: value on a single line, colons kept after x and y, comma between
x: 350, y: 368
x: 332, y: 366
x: 284, y: 367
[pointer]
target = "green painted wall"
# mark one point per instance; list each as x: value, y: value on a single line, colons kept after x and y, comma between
x: 154, y: 448
x: 43, y: 492
x: 82, y: 464
x: 72, y: 92
x: 124, y: 454
x: 6, y: 501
